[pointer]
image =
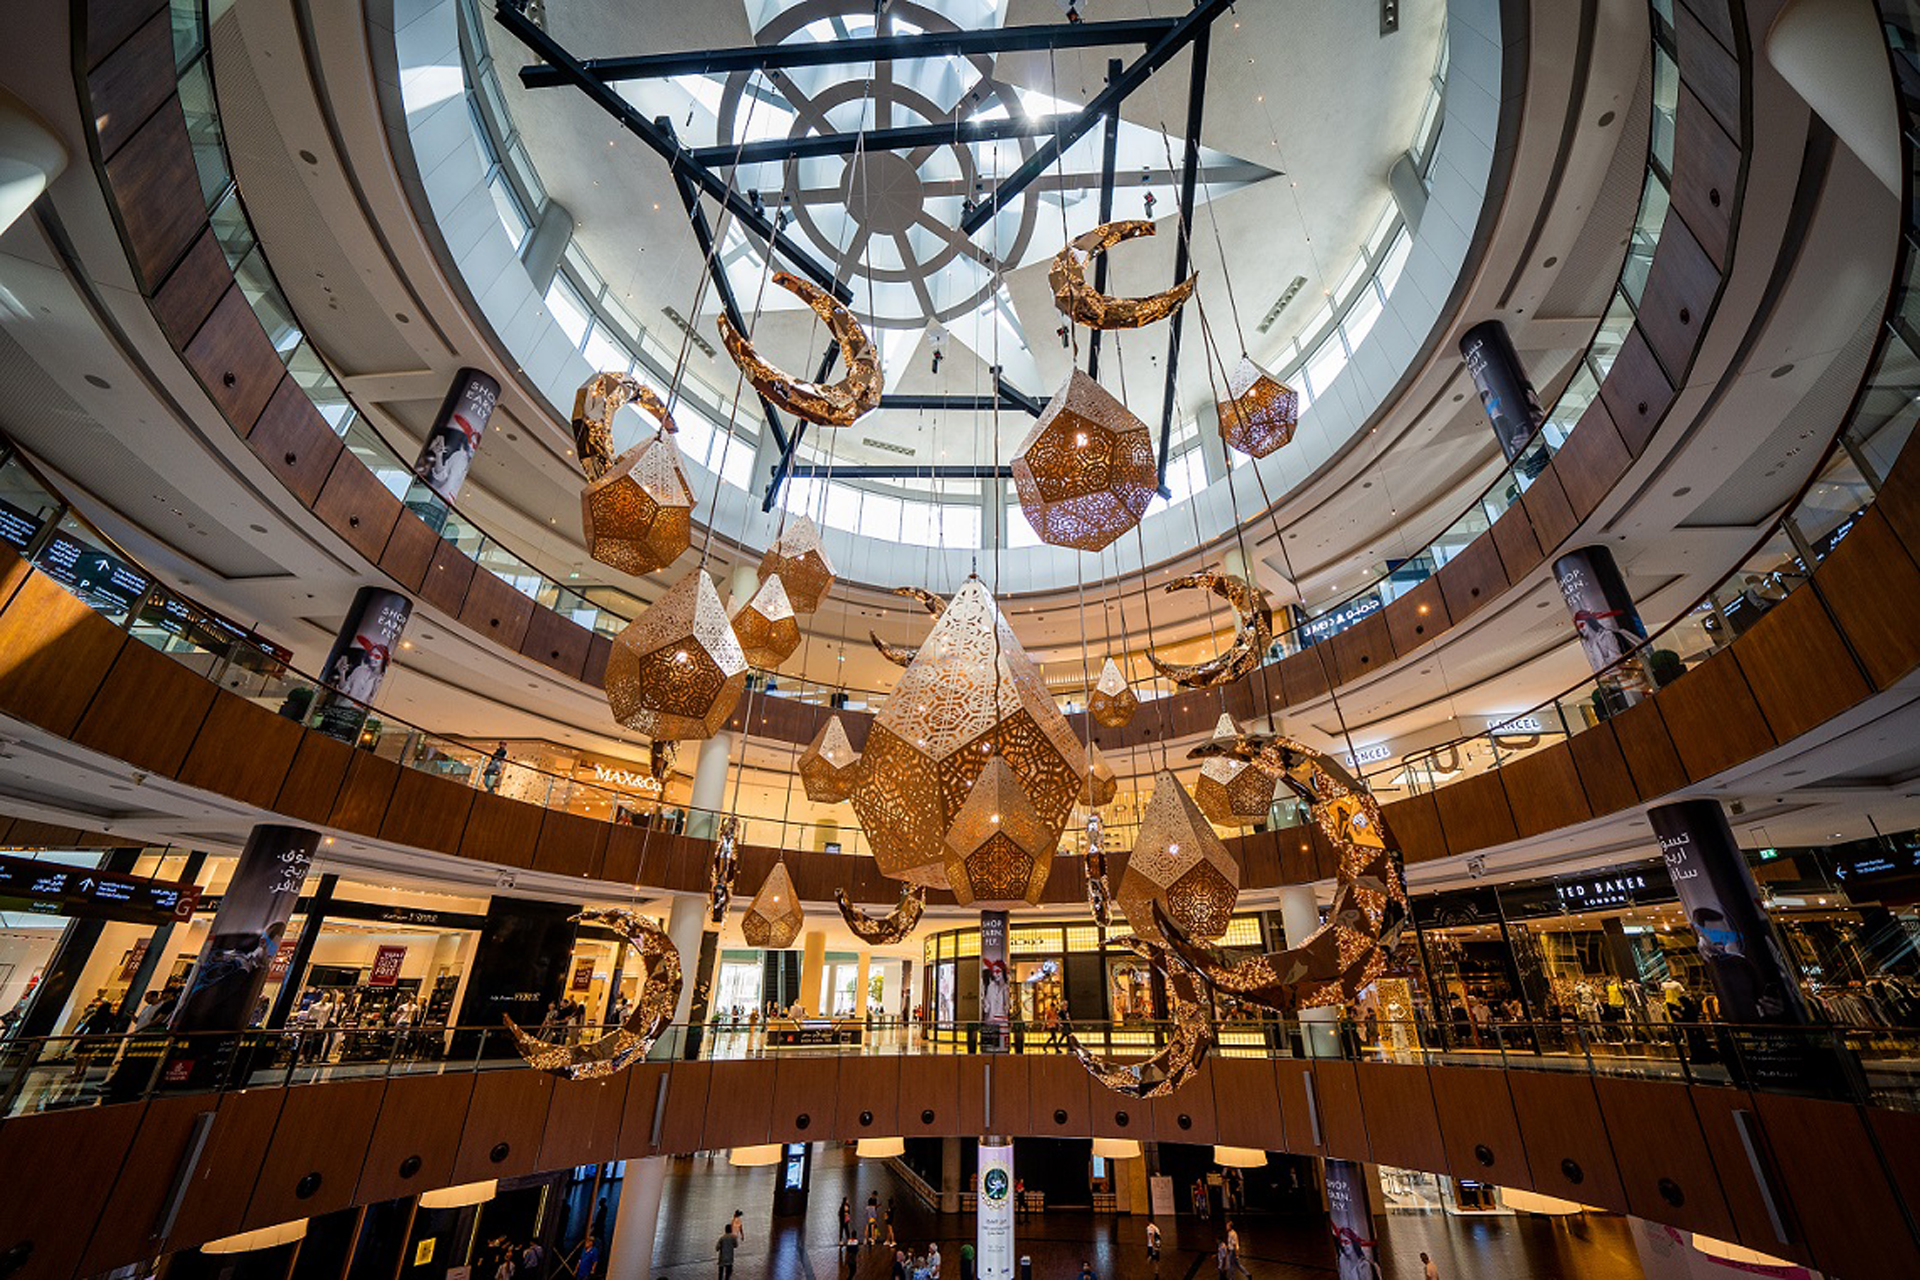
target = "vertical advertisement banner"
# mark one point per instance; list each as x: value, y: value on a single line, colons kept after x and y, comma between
x: 247, y: 930
x: 357, y: 664
x: 1505, y: 393
x: 1756, y: 985
x: 996, y: 989
x: 1605, y: 619
x: 1350, y: 1221
x: 447, y: 454
x: 994, y: 1215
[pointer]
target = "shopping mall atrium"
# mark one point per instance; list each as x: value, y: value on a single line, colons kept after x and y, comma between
x: 959, y: 639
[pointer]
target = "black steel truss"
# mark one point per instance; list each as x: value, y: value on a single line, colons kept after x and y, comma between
x: 904, y: 138
x: 955, y: 471
x: 924, y: 44
x: 1109, y: 151
x: 1182, y: 250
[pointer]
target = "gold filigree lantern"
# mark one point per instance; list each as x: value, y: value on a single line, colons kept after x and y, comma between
x: 829, y: 766
x: 1085, y: 473
x: 766, y: 627
x: 970, y: 694
x: 1260, y: 412
x: 636, y: 512
x: 773, y: 917
x: 1178, y: 861
x: 677, y: 670
x: 799, y: 560
x: 1233, y: 793
x: 1112, y: 702
x: 1101, y: 785
x: 1000, y: 847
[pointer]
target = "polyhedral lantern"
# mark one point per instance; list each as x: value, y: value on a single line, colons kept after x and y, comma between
x: 1085, y: 473
x: 829, y: 766
x: 773, y: 917
x: 800, y: 562
x: 1178, y: 861
x: 636, y: 512
x: 677, y: 670
x: 765, y: 626
x: 970, y: 694
x: 1260, y: 412
x: 1100, y: 786
x: 1112, y: 702
x: 1000, y: 847
x: 1232, y: 792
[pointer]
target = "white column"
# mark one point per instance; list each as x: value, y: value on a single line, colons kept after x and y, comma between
x: 1300, y: 916
x: 813, y: 972
x: 741, y: 584
x: 686, y: 921
x: 709, y: 785
x: 861, y: 974
x: 636, y: 1220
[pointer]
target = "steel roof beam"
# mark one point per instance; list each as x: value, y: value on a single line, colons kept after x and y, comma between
x: 1182, y: 249
x: 832, y: 53
x: 904, y: 138
x: 1109, y: 153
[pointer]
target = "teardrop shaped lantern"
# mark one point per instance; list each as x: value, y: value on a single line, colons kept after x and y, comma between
x: 766, y: 627
x: 773, y: 917
x: 1112, y: 702
x: 829, y: 765
x: 1178, y: 861
x: 799, y: 560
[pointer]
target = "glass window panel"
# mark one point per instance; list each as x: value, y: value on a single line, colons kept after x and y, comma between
x: 843, y: 507
x: 917, y: 523
x: 569, y: 312
x: 1395, y: 262
x: 604, y: 352
x: 880, y: 516
x: 1326, y: 365
x: 959, y: 526
x: 1361, y: 317
x: 509, y: 211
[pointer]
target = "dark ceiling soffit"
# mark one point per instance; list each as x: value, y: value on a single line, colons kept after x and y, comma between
x: 1109, y: 99
x: 543, y: 46
x: 927, y: 44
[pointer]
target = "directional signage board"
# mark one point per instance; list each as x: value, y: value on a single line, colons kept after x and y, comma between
x: 57, y: 888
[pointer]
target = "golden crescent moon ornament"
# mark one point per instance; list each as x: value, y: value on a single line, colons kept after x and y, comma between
x: 1083, y: 304
x: 652, y: 1012
x: 1186, y: 1048
x: 901, y: 655
x: 833, y: 404
x: 599, y: 398
x: 1252, y: 635
x: 882, y: 931
x: 1356, y: 945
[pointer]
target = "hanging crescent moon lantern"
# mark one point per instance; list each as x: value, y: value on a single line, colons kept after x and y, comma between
x: 884, y: 931
x: 652, y: 1012
x: 834, y: 404
x: 901, y: 655
x: 1252, y: 635
x: 1164, y: 1072
x: 1082, y: 303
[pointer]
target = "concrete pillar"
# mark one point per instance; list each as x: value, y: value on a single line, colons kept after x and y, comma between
x: 950, y: 1177
x: 709, y: 786
x: 1299, y: 917
x: 686, y: 921
x: 636, y: 1220
x: 813, y: 970
x: 544, y: 246
x: 860, y: 982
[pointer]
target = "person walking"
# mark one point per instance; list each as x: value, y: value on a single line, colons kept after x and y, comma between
x: 724, y: 1248
x: 873, y: 1217
x: 1222, y: 1260
x: 589, y: 1259
x: 738, y: 1226
x: 1153, y: 1245
x: 1427, y: 1270
x: 966, y: 1261
x: 1233, y: 1249
x: 850, y: 1245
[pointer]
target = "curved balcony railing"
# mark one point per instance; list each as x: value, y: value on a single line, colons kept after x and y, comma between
x: 605, y: 610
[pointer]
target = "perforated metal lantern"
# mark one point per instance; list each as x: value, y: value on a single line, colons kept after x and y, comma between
x: 800, y: 562
x: 1260, y: 412
x: 677, y: 670
x: 1112, y: 702
x: 999, y: 848
x: 1178, y: 861
x: 638, y: 517
x: 829, y: 766
x: 1101, y: 785
x: 1232, y: 792
x: 970, y: 693
x: 766, y: 627
x: 1085, y: 473
x: 773, y: 917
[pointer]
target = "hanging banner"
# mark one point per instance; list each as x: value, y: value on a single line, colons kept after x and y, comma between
x: 1351, y: 1223
x: 996, y: 988
x: 1604, y: 618
x: 247, y: 930
x: 358, y: 661
x: 994, y: 1212
x: 386, y: 966
x: 1509, y: 399
x: 447, y: 453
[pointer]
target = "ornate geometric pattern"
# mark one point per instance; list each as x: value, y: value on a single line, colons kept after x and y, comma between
x: 652, y: 1011
x: 971, y: 694
x: 1113, y: 702
x: 1085, y: 473
x: 1099, y: 892
x: 801, y: 564
x: 1260, y: 412
x: 999, y: 848
x: 1186, y: 1048
x: 1101, y: 785
x: 1252, y: 635
x: 721, y: 870
x: 1232, y: 792
x: 1334, y: 963
x: 637, y: 512
x: 773, y: 917
x: 1079, y: 301
x: 829, y: 766
x: 677, y: 670
x: 833, y: 404
x: 902, y: 654
x: 1179, y: 862
x: 884, y: 931
x: 765, y: 626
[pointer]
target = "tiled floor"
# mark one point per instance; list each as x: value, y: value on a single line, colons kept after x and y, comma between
x: 702, y: 1193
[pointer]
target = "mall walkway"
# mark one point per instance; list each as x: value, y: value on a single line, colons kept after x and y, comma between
x: 702, y: 1193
